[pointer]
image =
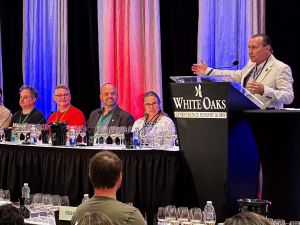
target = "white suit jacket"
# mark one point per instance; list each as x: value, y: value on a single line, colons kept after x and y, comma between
x: 276, y: 77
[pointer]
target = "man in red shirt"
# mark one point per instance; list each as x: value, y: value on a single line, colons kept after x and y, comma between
x: 66, y: 112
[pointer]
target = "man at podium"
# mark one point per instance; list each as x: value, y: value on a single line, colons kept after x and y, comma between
x: 269, y: 79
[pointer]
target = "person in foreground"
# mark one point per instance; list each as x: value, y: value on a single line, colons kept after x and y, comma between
x: 247, y: 218
x: 111, y: 114
x: 94, y: 218
x: 66, y: 112
x: 10, y: 215
x: 28, y: 114
x: 269, y: 79
x: 154, y: 118
x: 105, y: 172
x: 5, y: 114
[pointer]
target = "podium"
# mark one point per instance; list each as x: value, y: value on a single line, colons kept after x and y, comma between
x: 216, y: 144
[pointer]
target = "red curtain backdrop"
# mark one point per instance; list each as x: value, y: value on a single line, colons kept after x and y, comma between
x: 129, y: 49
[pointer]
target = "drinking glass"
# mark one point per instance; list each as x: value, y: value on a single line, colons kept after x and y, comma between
x: 1, y: 194
x: 183, y: 214
x: 113, y: 133
x: 65, y: 201
x: 104, y: 133
x: 196, y: 215
x: 1, y: 134
x: 279, y: 222
x: 82, y: 134
x: 6, y: 195
x: 161, y: 214
x: 120, y: 134
x: 171, y: 213
x: 294, y: 223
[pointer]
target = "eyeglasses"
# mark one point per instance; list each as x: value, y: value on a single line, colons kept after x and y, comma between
x: 150, y: 104
x: 62, y: 95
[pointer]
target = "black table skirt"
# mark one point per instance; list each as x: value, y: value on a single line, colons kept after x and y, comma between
x: 151, y: 178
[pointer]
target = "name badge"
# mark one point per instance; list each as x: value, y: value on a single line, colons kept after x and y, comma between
x: 66, y: 212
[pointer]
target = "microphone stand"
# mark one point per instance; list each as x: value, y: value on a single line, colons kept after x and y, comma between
x: 235, y: 63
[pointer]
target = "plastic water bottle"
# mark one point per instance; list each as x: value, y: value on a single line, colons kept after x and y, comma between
x: 136, y: 138
x: 26, y: 193
x: 72, y: 136
x: 85, y: 198
x: 33, y: 137
x: 209, y: 214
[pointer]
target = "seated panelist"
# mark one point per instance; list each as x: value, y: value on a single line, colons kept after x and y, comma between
x: 28, y: 113
x: 154, y: 120
x: 66, y: 112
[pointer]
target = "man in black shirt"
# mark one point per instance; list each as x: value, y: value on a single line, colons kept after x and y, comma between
x: 28, y: 113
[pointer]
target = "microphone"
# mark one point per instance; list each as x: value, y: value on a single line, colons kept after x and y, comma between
x: 152, y: 119
x: 234, y: 63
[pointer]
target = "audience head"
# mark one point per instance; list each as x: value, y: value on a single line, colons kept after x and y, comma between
x: 247, y: 218
x: 105, y: 170
x: 94, y: 219
x: 10, y: 215
x: 151, y: 103
x: 108, y: 95
x: 259, y: 48
x: 62, y: 96
x: 28, y: 97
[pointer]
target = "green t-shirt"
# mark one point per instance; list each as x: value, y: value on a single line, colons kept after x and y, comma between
x: 118, y: 212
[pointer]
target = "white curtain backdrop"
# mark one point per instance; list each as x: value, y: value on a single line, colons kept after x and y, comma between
x: 45, y: 61
x: 129, y: 49
x: 224, y: 28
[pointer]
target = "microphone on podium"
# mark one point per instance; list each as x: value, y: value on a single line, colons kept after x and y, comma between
x: 234, y: 63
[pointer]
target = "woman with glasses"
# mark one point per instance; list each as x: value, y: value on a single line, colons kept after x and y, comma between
x: 154, y: 119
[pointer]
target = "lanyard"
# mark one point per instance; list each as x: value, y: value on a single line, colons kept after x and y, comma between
x: 56, y: 120
x: 257, y: 75
x: 20, y: 118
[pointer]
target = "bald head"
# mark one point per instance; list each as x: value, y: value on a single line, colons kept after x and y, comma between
x: 108, y: 95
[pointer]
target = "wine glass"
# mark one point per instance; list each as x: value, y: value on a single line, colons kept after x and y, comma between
x: 279, y: 222
x: 161, y: 214
x: 6, y: 195
x: 120, y: 134
x: 82, y: 134
x: 1, y: 134
x: 294, y: 223
x: 113, y: 133
x: 183, y: 214
x: 104, y: 133
x: 171, y: 213
x: 196, y: 215
x: 65, y: 201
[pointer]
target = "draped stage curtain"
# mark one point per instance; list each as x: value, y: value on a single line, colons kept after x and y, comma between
x: 45, y: 61
x: 1, y: 75
x: 129, y: 45
x: 11, y: 51
x: 129, y: 49
x: 224, y: 28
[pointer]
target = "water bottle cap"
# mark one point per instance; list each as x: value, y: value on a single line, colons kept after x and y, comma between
x: 26, y: 184
x: 209, y: 202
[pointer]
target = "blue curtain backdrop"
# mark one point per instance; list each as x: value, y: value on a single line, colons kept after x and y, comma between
x: 44, y: 51
x: 224, y: 28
